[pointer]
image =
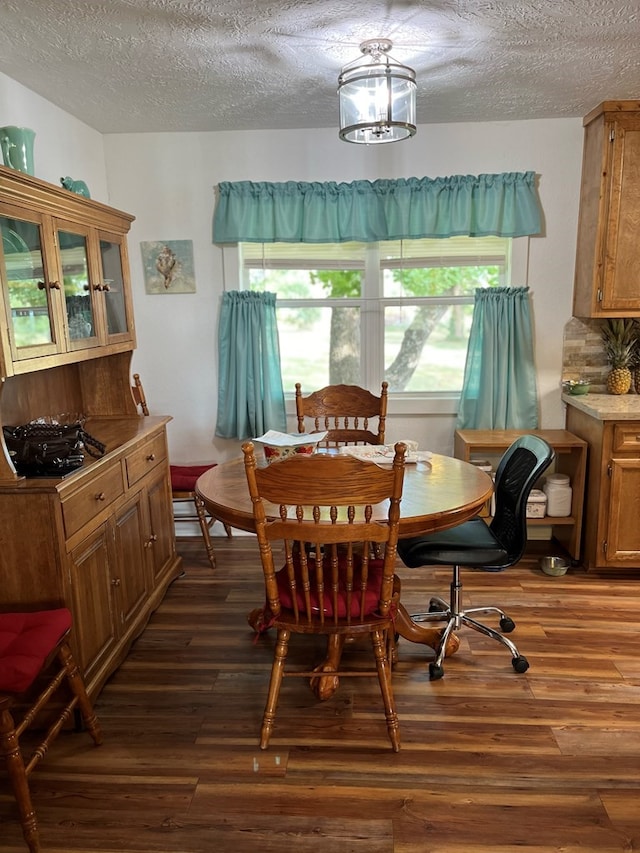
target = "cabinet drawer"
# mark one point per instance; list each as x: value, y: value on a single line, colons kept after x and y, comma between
x: 626, y: 436
x: 145, y: 458
x: 91, y: 499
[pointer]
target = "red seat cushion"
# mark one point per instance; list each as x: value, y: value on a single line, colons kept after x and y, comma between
x: 371, y: 597
x: 183, y: 477
x: 26, y: 640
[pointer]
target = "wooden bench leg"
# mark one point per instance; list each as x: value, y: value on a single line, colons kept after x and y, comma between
x: 78, y: 689
x: 10, y: 750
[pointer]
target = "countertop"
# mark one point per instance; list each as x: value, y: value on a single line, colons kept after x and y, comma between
x: 606, y: 407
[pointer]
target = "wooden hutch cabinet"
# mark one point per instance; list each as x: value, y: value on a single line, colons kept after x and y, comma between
x: 100, y: 540
x: 607, y: 257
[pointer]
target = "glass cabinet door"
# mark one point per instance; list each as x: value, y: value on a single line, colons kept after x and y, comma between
x: 28, y: 288
x: 78, y: 300
x: 113, y: 287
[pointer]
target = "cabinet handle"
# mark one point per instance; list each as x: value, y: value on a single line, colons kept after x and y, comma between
x: 55, y: 285
x: 41, y: 285
x: 115, y: 582
x: 106, y: 288
x: 97, y: 287
x: 151, y: 457
x: 101, y: 496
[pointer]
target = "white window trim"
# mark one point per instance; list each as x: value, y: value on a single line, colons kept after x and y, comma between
x: 403, y: 403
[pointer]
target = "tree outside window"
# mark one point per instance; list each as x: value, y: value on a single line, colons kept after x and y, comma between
x: 359, y: 313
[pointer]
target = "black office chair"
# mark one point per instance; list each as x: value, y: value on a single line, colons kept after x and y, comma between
x: 476, y: 544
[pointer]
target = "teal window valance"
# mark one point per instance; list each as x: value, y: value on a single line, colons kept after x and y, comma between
x: 504, y: 205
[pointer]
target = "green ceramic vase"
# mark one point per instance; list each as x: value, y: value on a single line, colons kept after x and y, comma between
x: 17, y: 148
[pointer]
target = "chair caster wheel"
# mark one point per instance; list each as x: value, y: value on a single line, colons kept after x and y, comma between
x: 507, y: 625
x: 520, y: 664
x: 436, y: 671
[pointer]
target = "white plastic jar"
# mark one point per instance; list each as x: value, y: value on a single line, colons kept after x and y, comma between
x: 484, y: 465
x: 557, y: 488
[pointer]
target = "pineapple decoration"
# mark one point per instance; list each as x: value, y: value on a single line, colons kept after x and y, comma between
x: 620, y: 344
x: 635, y: 363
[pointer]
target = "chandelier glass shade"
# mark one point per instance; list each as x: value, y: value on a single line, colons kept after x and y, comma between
x: 377, y: 97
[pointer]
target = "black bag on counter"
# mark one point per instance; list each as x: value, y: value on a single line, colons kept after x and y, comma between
x: 49, y: 450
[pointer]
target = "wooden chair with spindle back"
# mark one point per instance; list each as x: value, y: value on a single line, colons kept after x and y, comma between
x: 331, y: 583
x: 183, y: 483
x: 350, y: 414
x: 138, y: 394
x: 29, y: 645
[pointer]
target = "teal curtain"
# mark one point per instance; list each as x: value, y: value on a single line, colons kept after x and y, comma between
x: 505, y: 205
x: 250, y: 392
x: 499, y: 387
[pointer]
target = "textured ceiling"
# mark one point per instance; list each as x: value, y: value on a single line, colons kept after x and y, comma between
x: 188, y: 65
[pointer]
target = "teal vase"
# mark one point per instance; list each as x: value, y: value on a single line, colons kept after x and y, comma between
x: 17, y: 148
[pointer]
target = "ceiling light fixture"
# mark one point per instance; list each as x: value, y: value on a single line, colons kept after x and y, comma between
x: 377, y: 97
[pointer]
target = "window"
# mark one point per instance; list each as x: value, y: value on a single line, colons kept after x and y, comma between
x: 359, y: 313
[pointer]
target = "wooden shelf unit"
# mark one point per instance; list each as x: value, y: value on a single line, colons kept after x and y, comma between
x: 571, y: 459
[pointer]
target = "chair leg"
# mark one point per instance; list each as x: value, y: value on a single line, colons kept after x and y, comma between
x: 277, y: 673
x: 204, y: 527
x: 455, y: 616
x: 495, y: 635
x: 76, y: 684
x: 379, y: 643
x: 10, y: 751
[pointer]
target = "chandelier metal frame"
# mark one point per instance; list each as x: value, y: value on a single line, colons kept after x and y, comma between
x: 377, y: 97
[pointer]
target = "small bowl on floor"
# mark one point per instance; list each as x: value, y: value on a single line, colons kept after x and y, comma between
x: 554, y: 566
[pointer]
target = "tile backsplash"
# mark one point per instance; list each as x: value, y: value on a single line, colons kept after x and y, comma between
x: 583, y: 353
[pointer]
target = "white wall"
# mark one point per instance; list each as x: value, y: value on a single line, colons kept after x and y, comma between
x: 167, y: 181
x: 64, y: 146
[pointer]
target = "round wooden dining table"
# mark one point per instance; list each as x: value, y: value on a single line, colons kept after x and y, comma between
x: 436, y: 495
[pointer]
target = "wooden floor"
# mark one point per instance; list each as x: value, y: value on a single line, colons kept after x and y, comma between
x: 491, y: 761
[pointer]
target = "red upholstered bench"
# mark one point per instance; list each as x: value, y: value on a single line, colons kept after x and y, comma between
x: 29, y: 644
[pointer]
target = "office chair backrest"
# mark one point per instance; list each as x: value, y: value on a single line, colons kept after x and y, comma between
x: 349, y: 413
x: 522, y: 464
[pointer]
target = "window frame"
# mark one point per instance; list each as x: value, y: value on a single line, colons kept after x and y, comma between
x: 372, y: 322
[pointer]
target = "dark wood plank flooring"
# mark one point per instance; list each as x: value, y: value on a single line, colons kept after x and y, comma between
x: 491, y: 761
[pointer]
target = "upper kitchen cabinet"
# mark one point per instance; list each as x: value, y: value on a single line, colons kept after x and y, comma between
x: 65, y: 292
x: 608, y: 251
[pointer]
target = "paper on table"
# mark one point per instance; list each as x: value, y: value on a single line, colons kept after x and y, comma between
x: 384, y: 455
x: 284, y: 439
